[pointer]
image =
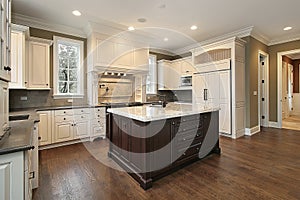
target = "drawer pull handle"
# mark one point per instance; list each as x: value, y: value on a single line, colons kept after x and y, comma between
x: 32, y: 175
x: 64, y: 118
x: 64, y: 112
x: 98, y: 115
x: 82, y: 117
x: 81, y: 110
x: 184, y: 154
x: 197, y: 149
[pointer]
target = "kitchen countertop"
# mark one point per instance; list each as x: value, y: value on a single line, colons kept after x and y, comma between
x: 149, y: 113
x: 19, y: 137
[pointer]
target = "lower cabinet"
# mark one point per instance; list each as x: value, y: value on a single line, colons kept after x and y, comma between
x: 16, y: 175
x: 45, y: 127
x: 57, y: 126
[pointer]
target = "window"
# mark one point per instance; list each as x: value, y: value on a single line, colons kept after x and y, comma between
x: 68, y: 68
x: 151, y: 82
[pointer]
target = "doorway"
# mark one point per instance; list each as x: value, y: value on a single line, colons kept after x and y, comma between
x: 288, y: 90
x: 263, y: 89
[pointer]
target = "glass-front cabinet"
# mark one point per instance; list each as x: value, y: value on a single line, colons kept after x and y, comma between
x: 5, y: 29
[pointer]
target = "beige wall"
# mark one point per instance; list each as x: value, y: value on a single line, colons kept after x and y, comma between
x: 252, y: 48
x: 273, y: 50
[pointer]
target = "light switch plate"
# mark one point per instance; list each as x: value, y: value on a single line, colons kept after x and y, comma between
x: 23, y: 98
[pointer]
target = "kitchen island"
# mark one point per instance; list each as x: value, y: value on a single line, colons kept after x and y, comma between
x: 151, y: 142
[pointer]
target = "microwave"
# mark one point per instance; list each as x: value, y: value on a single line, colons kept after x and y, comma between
x: 186, y: 81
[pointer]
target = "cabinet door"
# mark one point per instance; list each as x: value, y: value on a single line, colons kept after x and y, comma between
x: 81, y: 129
x: 225, y: 100
x: 174, y: 75
x: 38, y: 69
x: 17, y: 60
x: 3, y: 105
x: 63, y: 132
x: 12, y: 176
x: 213, y: 86
x: 199, y: 84
x: 187, y: 67
x: 45, y: 128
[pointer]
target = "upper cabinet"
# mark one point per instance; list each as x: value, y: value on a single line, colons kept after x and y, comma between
x: 38, y: 66
x: 18, y: 35
x: 170, y: 73
x: 5, y: 29
x: 116, y: 54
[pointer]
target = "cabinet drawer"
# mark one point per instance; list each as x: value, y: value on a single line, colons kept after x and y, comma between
x: 187, y: 126
x: 98, y: 130
x: 100, y: 110
x: 64, y: 118
x: 81, y: 111
x: 63, y: 112
x: 98, y: 122
x: 190, y: 118
x: 82, y: 117
x: 184, y: 153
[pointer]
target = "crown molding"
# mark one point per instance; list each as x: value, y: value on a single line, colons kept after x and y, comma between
x: 239, y: 33
x: 46, y: 25
x: 284, y: 40
x: 260, y: 37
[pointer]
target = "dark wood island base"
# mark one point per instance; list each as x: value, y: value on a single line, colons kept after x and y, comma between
x: 150, y: 150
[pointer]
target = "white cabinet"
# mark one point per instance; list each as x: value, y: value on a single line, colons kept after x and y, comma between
x: 116, y: 54
x: 38, y: 67
x: 45, y: 127
x: 98, y: 123
x: 18, y: 34
x: 3, y: 105
x: 168, y: 75
x: 12, y: 176
x: 5, y: 29
x: 227, y: 89
x: 187, y: 67
x: 71, y: 124
x: 34, y: 167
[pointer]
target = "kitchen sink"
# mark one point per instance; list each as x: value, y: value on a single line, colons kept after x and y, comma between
x: 18, y: 117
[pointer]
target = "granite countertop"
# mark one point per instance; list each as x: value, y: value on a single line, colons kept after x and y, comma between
x: 149, y: 113
x: 20, y: 136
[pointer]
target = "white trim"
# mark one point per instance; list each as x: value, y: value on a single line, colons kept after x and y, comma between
x: 266, y: 60
x: 50, y: 146
x: 46, y: 25
x: 281, y: 41
x: 279, y: 84
x: 252, y: 131
x: 40, y: 40
x: 274, y: 124
x: 81, y: 69
x: 239, y: 133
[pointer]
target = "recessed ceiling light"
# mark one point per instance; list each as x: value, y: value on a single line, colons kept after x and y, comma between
x: 287, y: 28
x: 166, y: 39
x: 131, y: 28
x: 194, y: 27
x: 76, y: 13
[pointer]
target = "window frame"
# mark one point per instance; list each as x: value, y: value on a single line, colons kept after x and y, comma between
x: 80, y: 70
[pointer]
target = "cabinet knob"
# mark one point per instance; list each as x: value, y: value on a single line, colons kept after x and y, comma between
x: 64, y: 118
x: 81, y: 110
x: 39, y: 138
x: 82, y: 117
x: 64, y: 112
x: 98, y: 115
x: 47, y: 84
x: 198, y: 149
x: 184, y: 153
x: 25, y: 82
x: 72, y: 124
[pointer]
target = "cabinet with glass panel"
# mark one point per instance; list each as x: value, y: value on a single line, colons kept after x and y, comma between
x: 5, y: 20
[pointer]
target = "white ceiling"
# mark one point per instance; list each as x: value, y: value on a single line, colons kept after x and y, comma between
x: 172, y: 18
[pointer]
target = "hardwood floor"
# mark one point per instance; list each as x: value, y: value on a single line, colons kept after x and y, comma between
x: 292, y: 122
x: 264, y: 166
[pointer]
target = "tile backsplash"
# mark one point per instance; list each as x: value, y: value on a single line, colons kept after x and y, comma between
x: 38, y: 98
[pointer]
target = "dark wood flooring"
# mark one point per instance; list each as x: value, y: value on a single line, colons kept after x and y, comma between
x: 264, y: 166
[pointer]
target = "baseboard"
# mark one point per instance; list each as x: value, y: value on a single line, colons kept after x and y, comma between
x: 50, y: 146
x: 252, y: 131
x: 273, y: 124
x: 238, y: 134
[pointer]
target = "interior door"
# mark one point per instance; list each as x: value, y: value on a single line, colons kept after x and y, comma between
x: 263, y: 104
x: 284, y: 91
